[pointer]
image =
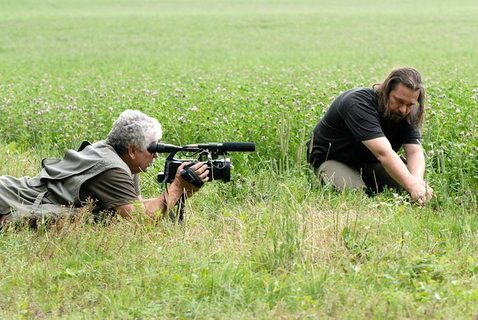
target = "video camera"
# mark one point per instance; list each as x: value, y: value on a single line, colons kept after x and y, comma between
x: 214, y: 154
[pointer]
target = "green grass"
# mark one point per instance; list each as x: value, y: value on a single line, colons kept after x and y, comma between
x: 273, y: 243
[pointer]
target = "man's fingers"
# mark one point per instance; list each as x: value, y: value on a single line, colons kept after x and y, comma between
x: 201, y: 168
x: 423, y: 198
x: 204, y: 175
x: 181, y: 166
x: 196, y: 166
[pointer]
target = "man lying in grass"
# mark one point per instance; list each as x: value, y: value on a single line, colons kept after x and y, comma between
x: 105, y: 173
x: 355, y: 144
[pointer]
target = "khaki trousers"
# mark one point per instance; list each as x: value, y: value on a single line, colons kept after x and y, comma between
x: 371, y: 176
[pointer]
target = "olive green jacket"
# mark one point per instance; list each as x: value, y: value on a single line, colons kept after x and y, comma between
x: 56, y: 189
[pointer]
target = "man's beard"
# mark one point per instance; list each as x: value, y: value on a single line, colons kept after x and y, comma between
x: 392, y: 116
x: 396, y: 117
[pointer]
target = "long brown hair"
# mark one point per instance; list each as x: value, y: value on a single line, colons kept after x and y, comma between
x: 410, y: 78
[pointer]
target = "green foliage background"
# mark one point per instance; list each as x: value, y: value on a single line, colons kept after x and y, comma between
x: 273, y: 243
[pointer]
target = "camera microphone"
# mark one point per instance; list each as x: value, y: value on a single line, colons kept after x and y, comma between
x: 224, y: 147
x: 211, y: 147
x: 239, y: 146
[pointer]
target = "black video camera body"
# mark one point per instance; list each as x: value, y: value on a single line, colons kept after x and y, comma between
x: 219, y: 169
x: 213, y: 154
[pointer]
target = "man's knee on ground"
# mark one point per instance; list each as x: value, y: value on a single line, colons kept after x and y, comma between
x: 339, y: 175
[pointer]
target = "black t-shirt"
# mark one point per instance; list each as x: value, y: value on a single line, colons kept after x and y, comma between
x: 352, y: 118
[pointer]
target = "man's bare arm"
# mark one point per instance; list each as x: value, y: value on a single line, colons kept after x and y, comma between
x: 395, y: 167
x: 415, y: 160
x: 157, y: 207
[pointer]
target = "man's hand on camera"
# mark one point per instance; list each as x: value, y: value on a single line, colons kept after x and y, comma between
x: 198, y: 171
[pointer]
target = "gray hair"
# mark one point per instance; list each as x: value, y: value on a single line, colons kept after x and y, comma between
x: 133, y: 128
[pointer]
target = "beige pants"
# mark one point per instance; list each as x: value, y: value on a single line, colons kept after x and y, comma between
x: 372, y: 176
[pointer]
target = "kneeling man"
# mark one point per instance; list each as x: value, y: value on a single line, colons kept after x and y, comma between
x: 355, y: 144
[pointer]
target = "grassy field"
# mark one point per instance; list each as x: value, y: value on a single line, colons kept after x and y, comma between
x: 273, y: 243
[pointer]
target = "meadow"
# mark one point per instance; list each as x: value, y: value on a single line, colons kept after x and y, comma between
x: 272, y: 243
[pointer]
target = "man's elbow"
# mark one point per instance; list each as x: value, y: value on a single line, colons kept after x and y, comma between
x: 383, y: 156
x: 380, y: 147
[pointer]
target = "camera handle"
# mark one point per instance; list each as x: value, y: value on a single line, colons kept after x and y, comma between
x: 190, y: 176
